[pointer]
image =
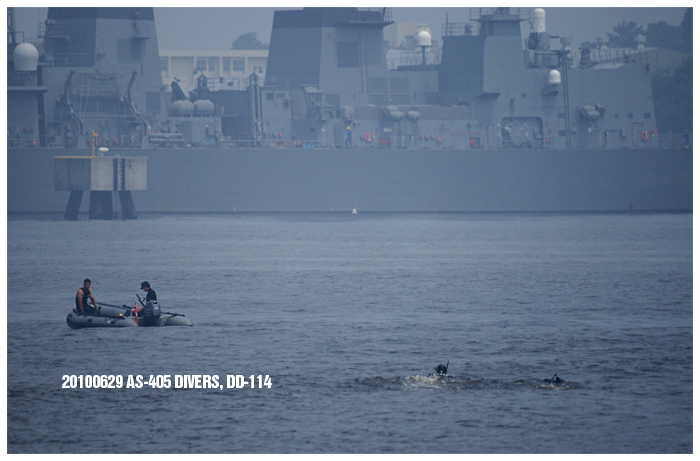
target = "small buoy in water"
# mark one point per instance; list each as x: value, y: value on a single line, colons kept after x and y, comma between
x: 354, y: 210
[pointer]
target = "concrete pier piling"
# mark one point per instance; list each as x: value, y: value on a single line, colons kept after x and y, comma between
x: 102, y: 176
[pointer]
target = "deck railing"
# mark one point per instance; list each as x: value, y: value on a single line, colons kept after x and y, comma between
x: 30, y: 139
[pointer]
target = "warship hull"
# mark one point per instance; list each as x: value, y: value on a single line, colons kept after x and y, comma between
x: 182, y: 180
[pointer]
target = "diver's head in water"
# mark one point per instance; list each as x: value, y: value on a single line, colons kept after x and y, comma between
x: 555, y: 379
x: 442, y: 369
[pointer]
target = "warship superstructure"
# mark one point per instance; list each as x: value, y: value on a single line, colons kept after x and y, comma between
x: 502, y: 123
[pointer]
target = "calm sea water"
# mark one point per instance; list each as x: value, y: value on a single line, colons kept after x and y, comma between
x: 348, y: 315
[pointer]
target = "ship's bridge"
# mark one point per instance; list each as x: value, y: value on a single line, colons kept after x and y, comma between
x: 486, y: 21
x: 499, y: 14
x: 366, y: 17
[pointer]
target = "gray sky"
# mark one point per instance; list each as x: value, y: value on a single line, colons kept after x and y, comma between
x: 216, y: 27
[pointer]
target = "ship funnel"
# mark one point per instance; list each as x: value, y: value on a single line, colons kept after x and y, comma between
x: 538, y: 23
x: 26, y: 57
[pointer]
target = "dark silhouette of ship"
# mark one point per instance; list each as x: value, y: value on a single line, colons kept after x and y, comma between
x: 494, y: 126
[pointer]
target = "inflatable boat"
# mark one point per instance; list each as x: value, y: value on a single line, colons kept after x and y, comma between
x: 118, y: 317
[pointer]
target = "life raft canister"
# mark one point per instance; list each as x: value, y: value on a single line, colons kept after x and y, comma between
x: 368, y: 137
x: 645, y: 136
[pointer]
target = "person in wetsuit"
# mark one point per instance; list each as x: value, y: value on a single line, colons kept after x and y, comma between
x: 442, y: 369
x: 150, y: 312
x: 81, y: 299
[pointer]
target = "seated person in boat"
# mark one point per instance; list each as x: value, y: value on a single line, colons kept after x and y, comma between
x: 150, y: 292
x: 81, y: 299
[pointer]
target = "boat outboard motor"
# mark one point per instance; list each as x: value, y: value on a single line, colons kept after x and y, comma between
x: 151, y: 313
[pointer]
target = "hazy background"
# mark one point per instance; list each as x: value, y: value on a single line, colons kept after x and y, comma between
x: 215, y: 28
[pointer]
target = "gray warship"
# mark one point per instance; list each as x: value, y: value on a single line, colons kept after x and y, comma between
x: 502, y: 123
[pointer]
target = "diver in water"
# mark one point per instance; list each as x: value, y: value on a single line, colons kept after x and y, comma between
x: 441, y: 370
x: 554, y: 380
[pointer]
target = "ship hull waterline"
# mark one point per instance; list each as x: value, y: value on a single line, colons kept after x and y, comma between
x: 322, y: 180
